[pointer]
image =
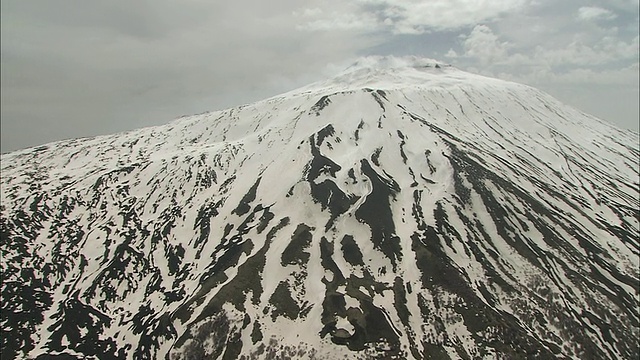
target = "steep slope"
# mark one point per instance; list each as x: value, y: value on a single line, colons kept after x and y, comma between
x: 412, y: 211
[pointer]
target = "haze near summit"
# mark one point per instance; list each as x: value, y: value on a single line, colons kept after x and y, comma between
x: 73, y: 69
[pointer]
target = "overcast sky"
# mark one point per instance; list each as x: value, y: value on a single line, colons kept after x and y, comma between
x: 75, y: 68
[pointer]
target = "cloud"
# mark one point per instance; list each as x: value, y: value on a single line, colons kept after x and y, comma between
x: 589, y: 13
x: 486, y: 48
x: 590, y: 67
x: 483, y: 45
x: 407, y: 16
x: 336, y: 21
x: 626, y: 76
x: 77, y: 68
x: 608, y: 62
x: 451, y: 54
x: 608, y: 49
x: 74, y: 68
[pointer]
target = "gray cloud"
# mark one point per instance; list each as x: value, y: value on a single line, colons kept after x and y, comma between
x: 103, y: 68
x: 74, y: 68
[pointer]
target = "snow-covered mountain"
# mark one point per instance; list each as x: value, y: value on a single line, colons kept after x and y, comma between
x: 401, y: 210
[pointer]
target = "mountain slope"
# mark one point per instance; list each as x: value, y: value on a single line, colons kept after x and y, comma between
x: 411, y: 211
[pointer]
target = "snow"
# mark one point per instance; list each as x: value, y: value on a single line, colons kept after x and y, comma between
x: 520, y: 135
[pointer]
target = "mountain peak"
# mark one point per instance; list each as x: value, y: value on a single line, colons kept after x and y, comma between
x: 394, y: 62
x: 390, y: 72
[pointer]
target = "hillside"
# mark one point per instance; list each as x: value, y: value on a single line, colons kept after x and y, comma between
x: 398, y: 210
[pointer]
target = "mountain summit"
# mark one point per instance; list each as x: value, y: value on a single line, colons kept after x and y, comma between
x: 402, y: 210
x: 397, y: 73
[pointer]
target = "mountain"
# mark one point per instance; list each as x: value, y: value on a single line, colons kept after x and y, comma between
x: 404, y: 209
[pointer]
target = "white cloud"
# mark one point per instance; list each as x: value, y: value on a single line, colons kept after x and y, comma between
x: 581, y: 61
x: 452, y: 54
x: 606, y: 50
x: 625, y: 76
x: 310, y: 12
x: 595, y: 13
x: 622, y: 77
x: 340, y: 21
x: 487, y: 48
x: 483, y: 45
x: 408, y: 16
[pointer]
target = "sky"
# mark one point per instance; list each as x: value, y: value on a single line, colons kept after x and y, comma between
x: 77, y: 68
